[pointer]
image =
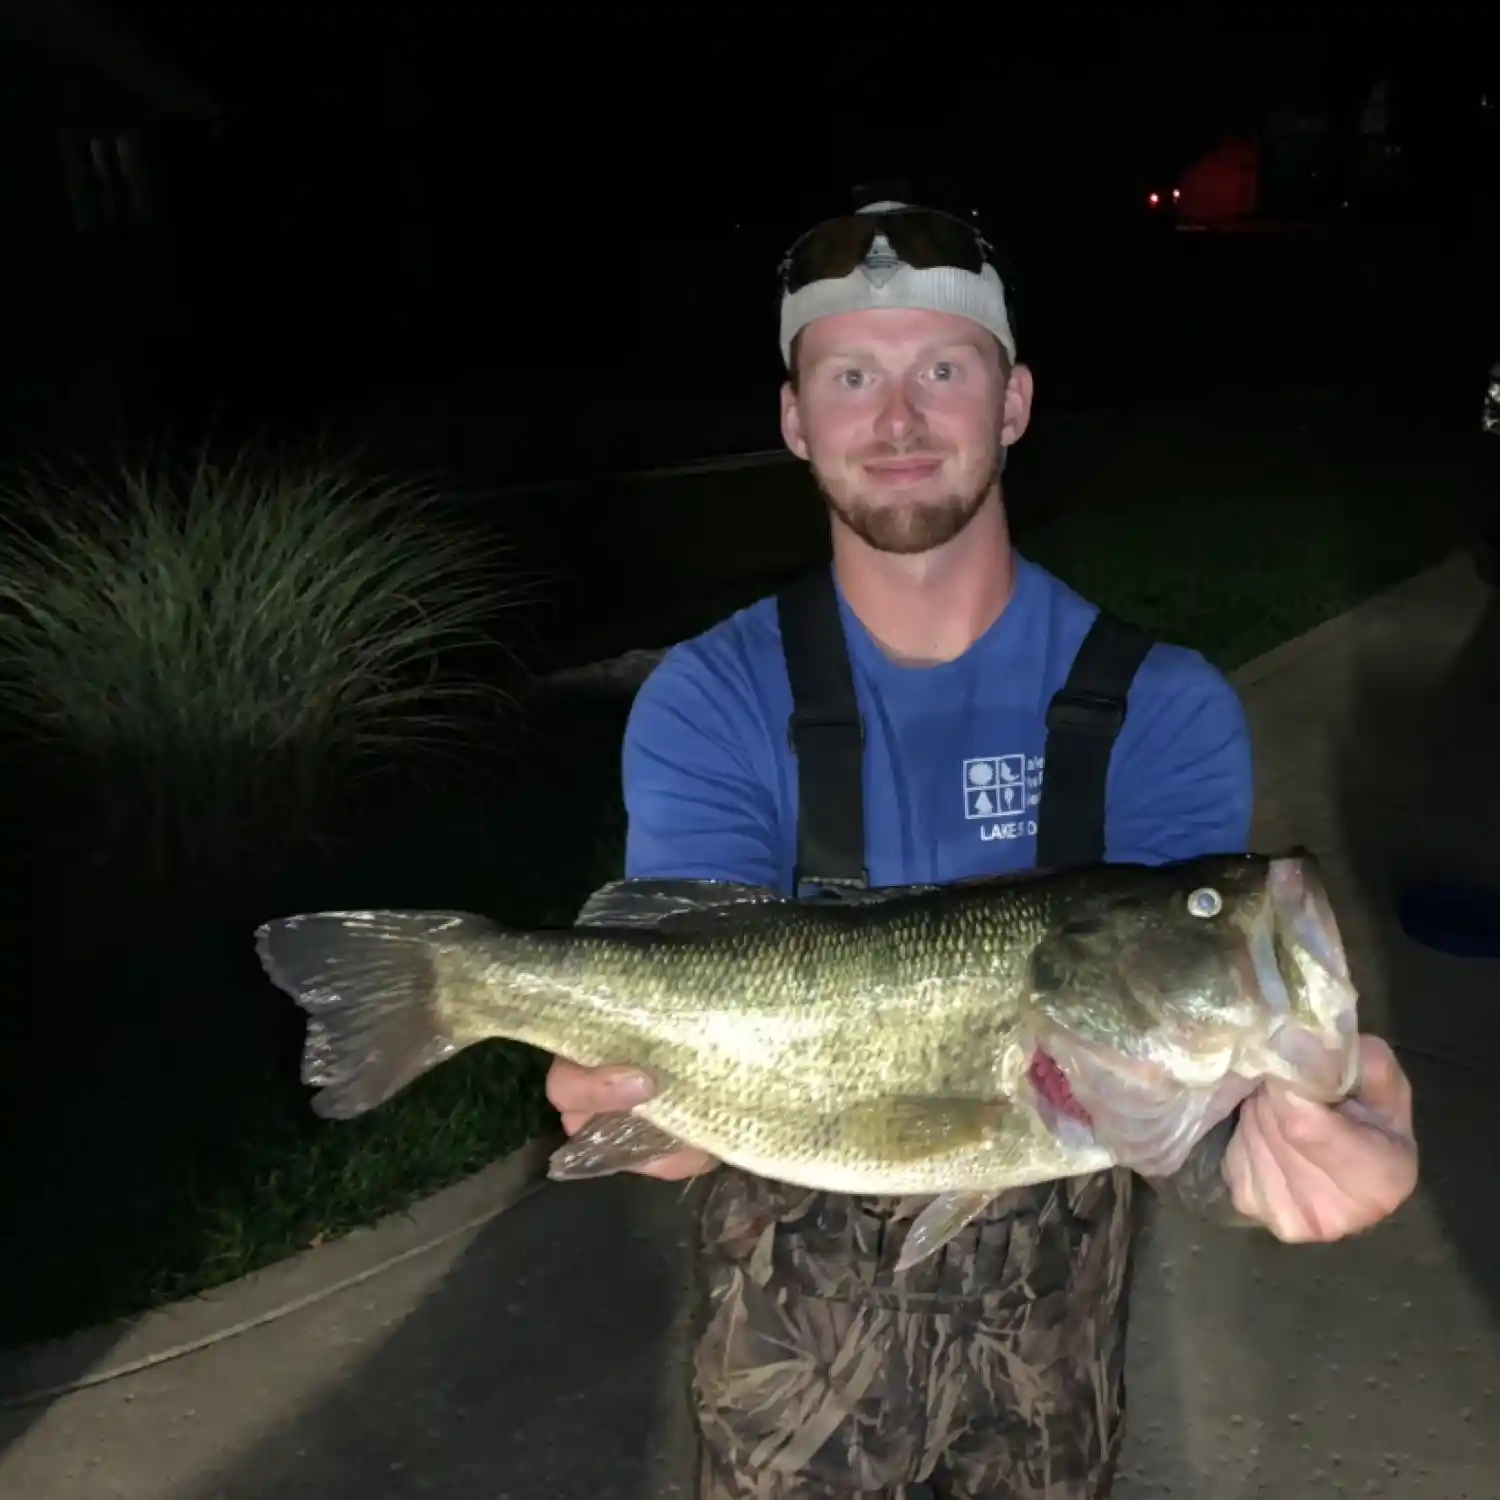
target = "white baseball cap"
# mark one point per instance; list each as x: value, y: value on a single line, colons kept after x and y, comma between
x: 909, y: 257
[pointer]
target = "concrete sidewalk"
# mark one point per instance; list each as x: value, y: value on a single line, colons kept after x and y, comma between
x: 539, y: 1353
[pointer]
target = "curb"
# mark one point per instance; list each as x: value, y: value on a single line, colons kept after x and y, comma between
x: 1438, y: 581
x: 41, y: 1372
x: 624, y: 673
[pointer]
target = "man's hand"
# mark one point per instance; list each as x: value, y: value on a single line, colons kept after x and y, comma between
x: 578, y: 1094
x: 1311, y: 1172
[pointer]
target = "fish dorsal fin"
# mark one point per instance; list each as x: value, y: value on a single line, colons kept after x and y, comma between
x: 1002, y: 878
x: 672, y: 905
x: 692, y: 905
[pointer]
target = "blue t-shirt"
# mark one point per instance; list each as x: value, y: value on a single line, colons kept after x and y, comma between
x: 954, y: 753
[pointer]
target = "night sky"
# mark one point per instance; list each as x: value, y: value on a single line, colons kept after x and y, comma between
x: 688, y: 115
x: 429, y: 189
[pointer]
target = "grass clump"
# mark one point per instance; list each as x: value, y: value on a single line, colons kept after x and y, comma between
x: 214, y: 645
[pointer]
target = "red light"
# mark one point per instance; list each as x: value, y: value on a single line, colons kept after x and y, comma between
x: 1154, y: 199
x: 1176, y: 194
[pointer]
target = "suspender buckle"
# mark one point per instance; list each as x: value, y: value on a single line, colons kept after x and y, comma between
x: 809, y: 721
x: 1095, y: 713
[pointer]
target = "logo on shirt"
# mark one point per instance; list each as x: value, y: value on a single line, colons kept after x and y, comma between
x: 1003, y: 792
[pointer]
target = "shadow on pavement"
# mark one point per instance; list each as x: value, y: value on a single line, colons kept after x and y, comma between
x: 1419, y: 800
x: 543, y: 1366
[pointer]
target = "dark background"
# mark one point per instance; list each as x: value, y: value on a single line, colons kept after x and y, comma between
x: 545, y: 244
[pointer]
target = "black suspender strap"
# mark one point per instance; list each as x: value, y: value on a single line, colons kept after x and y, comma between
x: 827, y: 736
x: 1083, y: 721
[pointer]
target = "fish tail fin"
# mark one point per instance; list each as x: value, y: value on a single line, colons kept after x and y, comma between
x: 372, y: 988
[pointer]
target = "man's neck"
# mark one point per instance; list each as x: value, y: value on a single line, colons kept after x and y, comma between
x: 930, y: 608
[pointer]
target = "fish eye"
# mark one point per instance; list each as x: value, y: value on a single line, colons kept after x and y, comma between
x: 1205, y: 902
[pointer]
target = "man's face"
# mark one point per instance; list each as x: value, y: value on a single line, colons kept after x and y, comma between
x: 902, y: 415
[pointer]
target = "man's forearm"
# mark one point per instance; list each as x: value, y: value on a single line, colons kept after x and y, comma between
x: 1199, y: 1186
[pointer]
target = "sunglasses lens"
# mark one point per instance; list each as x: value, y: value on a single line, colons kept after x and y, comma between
x: 922, y: 238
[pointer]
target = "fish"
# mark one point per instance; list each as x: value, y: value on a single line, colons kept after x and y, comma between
x: 935, y: 1043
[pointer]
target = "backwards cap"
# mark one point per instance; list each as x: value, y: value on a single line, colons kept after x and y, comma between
x: 883, y: 280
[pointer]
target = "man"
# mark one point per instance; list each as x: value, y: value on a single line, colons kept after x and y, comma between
x: 995, y: 1368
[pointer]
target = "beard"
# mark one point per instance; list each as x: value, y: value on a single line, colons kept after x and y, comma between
x: 909, y: 527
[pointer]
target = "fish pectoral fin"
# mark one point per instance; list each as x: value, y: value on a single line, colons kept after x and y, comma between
x: 943, y: 1218
x: 907, y: 1129
x: 618, y: 1141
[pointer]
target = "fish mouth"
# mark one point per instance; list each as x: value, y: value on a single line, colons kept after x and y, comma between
x: 1149, y: 1108
x: 1301, y: 969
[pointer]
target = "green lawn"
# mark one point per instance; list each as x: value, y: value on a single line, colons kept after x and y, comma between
x: 1236, y: 539
x: 167, y: 1145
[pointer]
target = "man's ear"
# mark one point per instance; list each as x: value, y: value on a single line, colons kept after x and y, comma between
x: 791, y: 422
x: 1016, y: 412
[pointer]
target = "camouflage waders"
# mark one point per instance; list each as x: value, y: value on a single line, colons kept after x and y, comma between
x: 996, y: 1367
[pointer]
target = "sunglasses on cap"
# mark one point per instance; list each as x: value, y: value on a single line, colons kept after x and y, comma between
x: 921, y: 238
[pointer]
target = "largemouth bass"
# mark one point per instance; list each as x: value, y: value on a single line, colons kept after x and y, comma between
x: 949, y: 1042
